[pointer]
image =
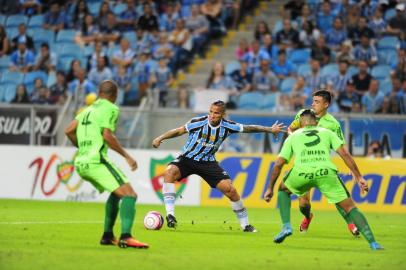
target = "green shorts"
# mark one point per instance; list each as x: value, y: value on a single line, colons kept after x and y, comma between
x: 103, y: 176
x: 300, y: 181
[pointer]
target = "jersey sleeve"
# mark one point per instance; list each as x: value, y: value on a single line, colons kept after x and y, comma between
x: 287, y: 150
x: 109, y: 118
x: 296, y: 123
x: 336, y: 142
x: 233, y: 127
x: 194, y: 124
x: 339, y: 132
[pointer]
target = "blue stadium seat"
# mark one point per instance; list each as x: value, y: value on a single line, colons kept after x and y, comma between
x: 66, y: 36
x: 72, y: 50
x: 250, y: 101
x: 269, y: 101
x: 185, y: 11
x: 387, y: 57
x: 299, y: 56
x: 36, y: 21
x: 88, y: 50
x: 231, y: 67
x: 9, y: 92
x: 131, y: 36
x: 94, y: 8
x: 12, y: 32
x: 303, y: 70
x: 2, y: 91
x: 381, y: 72
x: 385, y: 86
x: 3, y: 19
x: 277, y: 27
x: 389, y: 14
x: 119, y: 8
x: 329, y: 70
x: 65, y: 62
x: 16, y: 20
x: 12, y: 77
x: 352, y: 70
x: 287, y: 85
x: 388, y: 42
x: 30, y: 78
x: 4, y: 62
x: 43, y: 35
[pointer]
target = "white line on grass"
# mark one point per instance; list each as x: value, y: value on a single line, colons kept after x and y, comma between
x: 100, y: 222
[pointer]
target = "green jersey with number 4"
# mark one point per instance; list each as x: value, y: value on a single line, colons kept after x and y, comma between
x: 91, y: 123
x: 311, y: 146
x: 326, y: 121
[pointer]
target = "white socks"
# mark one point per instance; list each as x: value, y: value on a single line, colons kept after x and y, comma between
x: 241, y: 213
x: 168, y: 191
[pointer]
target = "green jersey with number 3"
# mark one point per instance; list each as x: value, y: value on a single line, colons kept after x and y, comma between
x: 91, y: 123
x: 311, y: 146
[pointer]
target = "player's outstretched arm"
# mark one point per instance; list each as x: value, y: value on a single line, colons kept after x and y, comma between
x: 349, y: 161
x: 279, y: 163
x: 274, y: 129
x: 70, y: 132
x: 168, y: 135
x: 114, y: 144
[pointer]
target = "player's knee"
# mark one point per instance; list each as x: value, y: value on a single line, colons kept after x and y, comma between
x: 304, y: 201
x: 231, y: 193
x: 169, y: 176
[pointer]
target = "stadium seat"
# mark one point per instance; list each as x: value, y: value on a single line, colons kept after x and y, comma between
x: 352, y: 70
x: 299, y: 56
x: 119, y: 8
x: 388, y: 42
x: 303, y: 70
x: 66, y: 36
x: 131, y: 36
x: 12, y: 77
x: 287, y: 85
x: 385, y: 86
x: 88, y: 50
x: 36, y: 21
x: 16, y: 20
x: 65, y: 62
x: 185, y: 11
x: 94, y: 8
x: 277, y: 27
x: 231, y: 67
x: 387, y: 57
x: 329, y: 70
x: 389, y: 14
x: 3, y: 19
x: 381, y: 72
x: 72, y: 50
x: 9, y: 92
x: 4, y: 62
x: 2, y: 91
x: 12, y: 31
x: 270, y: 101
x: 250, y: 101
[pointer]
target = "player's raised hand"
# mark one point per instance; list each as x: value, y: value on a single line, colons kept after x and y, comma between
x: 156, y: 142
x: 278, y: 127
x: 268, y: 195
x: 363, y: 184
x: 132, y: 163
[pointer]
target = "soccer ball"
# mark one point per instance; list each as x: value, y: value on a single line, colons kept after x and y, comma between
x: 153, y: 220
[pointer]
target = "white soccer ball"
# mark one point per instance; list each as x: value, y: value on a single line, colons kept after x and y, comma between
x: 153, y: 220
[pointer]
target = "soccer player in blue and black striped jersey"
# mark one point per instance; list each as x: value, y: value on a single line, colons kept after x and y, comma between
x: 206, y: 134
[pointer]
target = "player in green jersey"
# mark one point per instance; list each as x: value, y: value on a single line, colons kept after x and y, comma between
x: 92, y: 131
x: 313, y: 168
x: 321, y: 102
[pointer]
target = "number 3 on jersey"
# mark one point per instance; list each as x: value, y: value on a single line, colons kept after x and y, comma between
x: 312, y: 133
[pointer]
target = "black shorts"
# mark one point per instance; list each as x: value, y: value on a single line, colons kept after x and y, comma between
x: 210, y: 171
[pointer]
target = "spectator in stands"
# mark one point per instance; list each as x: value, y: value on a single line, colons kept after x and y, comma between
x: 89, y: 32
x: 255, y: 57
x: 198, y: 26
x: 242, y: 78
x: 22, y: 34
x: 183, y: 97
x: 375, y: 150
x: 167, y: 20
x: 22, y: 59
x: 9, y: 7
x: 182, y: 42
x: 281, y: 67
x: 373, y: 99
x: 231, y: 12
x: 261, y: 29
x: 98, y: 52
x: 148, y: 21
x: 308, y: 34
x: 362, y: 29
x: 123, y: 80
x: 4, y: 42
x: 46, y: 60
x: 390, y: 105
x: 377, y: 23
x: 21, y: 96
x: 102, y: 18
x: 400, y: 70
x: 362, y: 79
x: 79, y: 15
x: 396, y: 87
x: 294, y: 7
x: 299, y: 94
x: 162, y: 80
x: 30, y: 7
x: 40, y: 93
x: 397, y: 23
x: 336, y: 35
x: 123, y: 56
x: 163, y: 49
x: 142, y: 71
x: 219, y: 81
x: 346, y: 53
x: 55, y: 19
x: 348, y: 97
x: 265, y: 81
x: 325, y: 18
x: 321, y: 52
x: 365, y: 51
x: 100, y: 72
x: 368, y: 8
x: 288, y: 37
x: 314, y: 80
x: 401, y: 97
x: 339, y: 81
x: 242, y: 49
x: 80, y: 87
x: 128, y: 17
x: 59, y: 89
x: 270, y: 47
x: 212, y: 10
x: 306, y: 16
x: 75, y: 65
x: 352, y: 18
x: 110, y: 34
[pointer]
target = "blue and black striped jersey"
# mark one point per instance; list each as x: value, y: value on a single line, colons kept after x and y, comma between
x: 204, y: 140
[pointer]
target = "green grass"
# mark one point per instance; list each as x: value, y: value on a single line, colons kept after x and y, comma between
x: 65, y: 235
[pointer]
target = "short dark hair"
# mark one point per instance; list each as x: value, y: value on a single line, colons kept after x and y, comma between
x: 281, y: 51
x: 45, y: 45
x: 108, y: 88
x: 308, y: 112
x: 326, y: 95
x: 219, y: 103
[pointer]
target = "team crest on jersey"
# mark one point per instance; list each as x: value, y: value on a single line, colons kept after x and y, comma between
x: 157, y: 169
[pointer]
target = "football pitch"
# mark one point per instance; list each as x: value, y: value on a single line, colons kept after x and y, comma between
x: 65, y: 235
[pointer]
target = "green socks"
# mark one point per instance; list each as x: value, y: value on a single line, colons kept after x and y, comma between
x: 305, y: 210
x: 344, y: 214
x: 362, y: 224
x: 111, y: 212
x: 284, y: 203
x: 127, y: 214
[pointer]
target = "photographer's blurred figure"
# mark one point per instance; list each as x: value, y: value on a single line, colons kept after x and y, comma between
x: 375, y: 150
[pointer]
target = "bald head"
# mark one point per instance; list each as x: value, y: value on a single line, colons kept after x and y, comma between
x: 108, y: 90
